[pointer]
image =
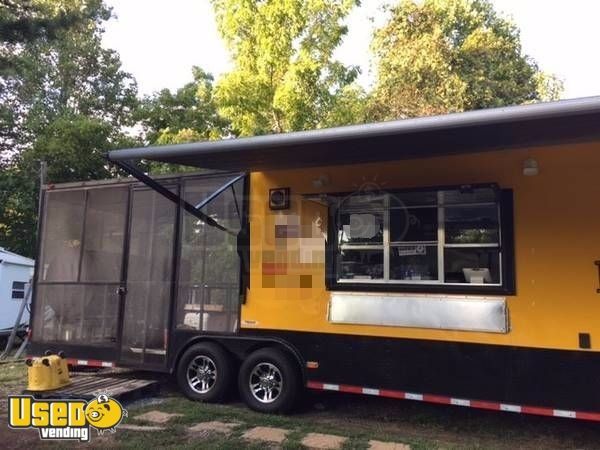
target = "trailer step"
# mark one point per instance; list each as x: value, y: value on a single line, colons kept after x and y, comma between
x: 86, y: 387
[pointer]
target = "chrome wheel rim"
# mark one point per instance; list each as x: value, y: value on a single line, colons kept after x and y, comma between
x: 266, y: 382
x: 201, y: 374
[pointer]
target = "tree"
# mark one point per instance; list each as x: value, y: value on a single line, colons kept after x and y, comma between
x: 27, y: 20
x: 284, y: 76
x: 68, y: 102
x: 17, y: 212
x: 187, y: 115
x: 70, y: 73
x: 349, y: 106
x: 439, y: 56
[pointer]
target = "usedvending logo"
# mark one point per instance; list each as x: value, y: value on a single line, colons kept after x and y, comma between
x: 65, y: 419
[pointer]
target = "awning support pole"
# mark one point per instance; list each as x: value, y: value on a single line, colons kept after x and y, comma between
x: 156, y: 186
x: 215, y: 194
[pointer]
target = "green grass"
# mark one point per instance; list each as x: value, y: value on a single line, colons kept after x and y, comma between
x: 12, y: 374
x: 299, y: 425
x: 361, y: 419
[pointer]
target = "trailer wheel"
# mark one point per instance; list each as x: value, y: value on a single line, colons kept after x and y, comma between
x: 204, y: 373
x: 269, y: 381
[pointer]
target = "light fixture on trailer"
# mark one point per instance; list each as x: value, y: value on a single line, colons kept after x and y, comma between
x: 531, y: 167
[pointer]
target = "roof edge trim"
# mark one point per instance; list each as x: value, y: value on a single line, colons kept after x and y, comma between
x: 529, y: 112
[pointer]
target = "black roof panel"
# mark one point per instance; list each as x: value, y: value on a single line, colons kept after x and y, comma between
x: 565, y: 121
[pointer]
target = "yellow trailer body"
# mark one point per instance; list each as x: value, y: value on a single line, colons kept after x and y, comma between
x: 556, y: 243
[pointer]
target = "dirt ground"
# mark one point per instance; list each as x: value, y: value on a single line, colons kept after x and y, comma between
x: 360, y: 418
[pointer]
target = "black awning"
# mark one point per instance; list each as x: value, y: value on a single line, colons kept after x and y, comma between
x: 565, y: 121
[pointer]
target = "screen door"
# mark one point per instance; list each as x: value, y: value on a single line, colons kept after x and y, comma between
x: 149, y: 275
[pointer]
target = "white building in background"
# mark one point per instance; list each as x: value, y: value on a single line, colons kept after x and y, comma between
x: 15, y: 273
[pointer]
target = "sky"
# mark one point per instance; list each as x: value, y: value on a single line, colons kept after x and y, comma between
x: 160, y: 40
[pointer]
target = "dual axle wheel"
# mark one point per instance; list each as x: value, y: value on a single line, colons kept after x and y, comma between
x: 268, y: 379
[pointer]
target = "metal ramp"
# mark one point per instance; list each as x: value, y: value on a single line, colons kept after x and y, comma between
x: 122, y: 387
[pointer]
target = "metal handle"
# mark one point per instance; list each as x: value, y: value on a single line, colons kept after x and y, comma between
x: 598, y: 265
x: 121, y: 290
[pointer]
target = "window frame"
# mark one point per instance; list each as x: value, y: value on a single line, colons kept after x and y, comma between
x: 507, y: 285
x: 20, y: 290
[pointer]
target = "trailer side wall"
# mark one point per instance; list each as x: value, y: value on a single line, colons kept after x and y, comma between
x: 556, y: 241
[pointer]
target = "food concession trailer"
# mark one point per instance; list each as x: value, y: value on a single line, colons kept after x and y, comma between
x: 449, y: 259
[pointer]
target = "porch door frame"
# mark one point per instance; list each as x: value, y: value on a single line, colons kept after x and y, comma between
x: 174, y: 185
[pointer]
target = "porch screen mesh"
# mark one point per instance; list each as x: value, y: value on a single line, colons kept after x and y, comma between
x: 82, y: 284
x: 149, y: 274
x: 209, y: 272
x: 77, y: 314
x: 104, y: 234
x: 62, y: 235
x: 80, y: 266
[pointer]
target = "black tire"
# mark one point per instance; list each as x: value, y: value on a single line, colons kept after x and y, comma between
x: 286, y: 370
x: 208, y: 389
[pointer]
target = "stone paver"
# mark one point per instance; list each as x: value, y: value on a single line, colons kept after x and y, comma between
x: 323, y: 441
x: 266, y: 434
x: 213, y: 427
x: 157, y: 416
x: 131, y: 427
x: 379, y: 445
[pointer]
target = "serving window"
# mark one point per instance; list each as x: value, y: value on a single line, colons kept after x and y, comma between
x: 449, y: 239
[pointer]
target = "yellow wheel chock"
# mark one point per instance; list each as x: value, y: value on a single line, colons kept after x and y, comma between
x: 48, y: 372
